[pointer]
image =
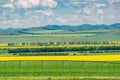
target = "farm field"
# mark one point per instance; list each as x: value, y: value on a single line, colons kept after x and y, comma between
x: 60, y: 55
x: 55, y: 70
x: 62, y: 36
x: 58, y: 48
x: 73, y: 58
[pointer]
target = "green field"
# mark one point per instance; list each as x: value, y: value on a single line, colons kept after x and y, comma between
x: 60, y: 42
x: 52, y: 69
x: 62, y: 36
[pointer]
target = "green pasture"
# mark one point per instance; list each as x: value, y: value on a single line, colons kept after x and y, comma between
x: 72, y: 53
x: 63, y: 36
x: 58, y: 68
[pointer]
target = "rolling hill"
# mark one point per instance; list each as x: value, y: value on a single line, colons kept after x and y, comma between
x: 12, y: 31
x: 82, y: 27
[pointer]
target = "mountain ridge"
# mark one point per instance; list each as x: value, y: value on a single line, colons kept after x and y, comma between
x: 17, y: 31
x: 79, y: 27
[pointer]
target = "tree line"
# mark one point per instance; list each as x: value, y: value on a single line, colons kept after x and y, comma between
x: 64, y: 43
x: 63, y: 49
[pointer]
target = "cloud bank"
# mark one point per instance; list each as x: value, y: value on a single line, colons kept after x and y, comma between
x: 32, y: 13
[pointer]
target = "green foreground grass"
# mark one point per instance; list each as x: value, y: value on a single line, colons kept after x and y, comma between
x: 60, y: 78
x: 59, y: 70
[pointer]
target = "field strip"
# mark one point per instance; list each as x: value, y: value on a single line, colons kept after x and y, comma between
x: 59, y: 77
x: 74, y: 58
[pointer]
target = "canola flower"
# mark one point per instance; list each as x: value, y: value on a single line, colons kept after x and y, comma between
x: 72, y: 58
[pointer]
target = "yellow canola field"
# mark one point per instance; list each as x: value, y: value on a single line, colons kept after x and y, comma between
x: 72, y: 58
x: 3, y: 45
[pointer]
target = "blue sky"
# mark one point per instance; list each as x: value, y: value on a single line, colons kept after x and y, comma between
x: 33, y: 13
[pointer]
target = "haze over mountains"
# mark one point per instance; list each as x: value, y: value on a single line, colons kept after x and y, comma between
x: 17, y: 31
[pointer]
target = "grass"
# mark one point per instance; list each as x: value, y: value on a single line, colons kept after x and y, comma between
x: 59, y: 68
x: 4, y: 53
x: 64, y: 36
x: 67, y: 53
x: 64, y: 53
x: 60, y: 78
x: 58, y: 46
x: 46, y: 31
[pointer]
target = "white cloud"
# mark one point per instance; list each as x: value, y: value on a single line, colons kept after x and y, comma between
x: 78, y: 2
x: 30, y: 3
x: 45, y: 12
x: 61, y: 20
x: 10, y: 5
x: 35, y: 2
x: 68, y: 20
x: 12, y: 0
x: 112, y: 1
x: 23, y: 4
x: 87, y: 10
x: 48, y: 3
x: 100, y: 11
x: 20, y: 23
x: 110, y: 16
x: 100, y: 5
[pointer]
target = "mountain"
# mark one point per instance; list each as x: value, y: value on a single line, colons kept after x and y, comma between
x: 117, y: 25
x: 12, y: 31
x: 82, y: 27
x: 9, y: 31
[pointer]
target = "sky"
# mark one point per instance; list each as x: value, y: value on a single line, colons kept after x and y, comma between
x: 35, y: 13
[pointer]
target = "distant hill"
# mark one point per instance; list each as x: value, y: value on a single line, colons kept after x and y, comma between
x: 9, y: 31
x: 82, y: 27
x: 12, y: 31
